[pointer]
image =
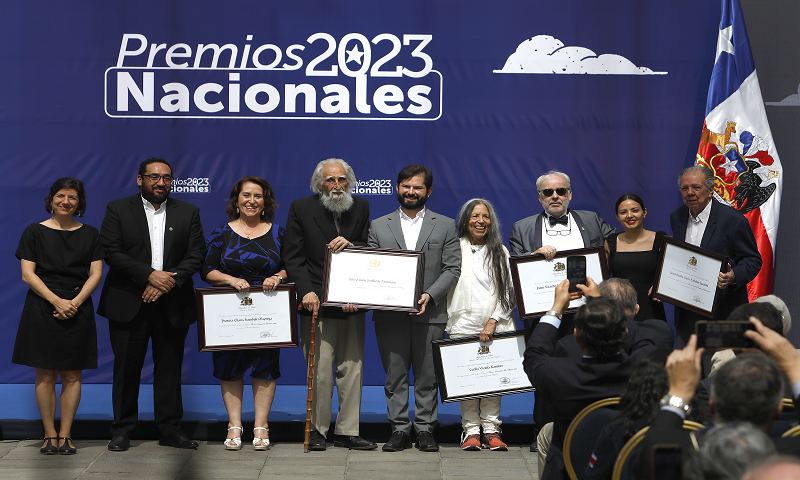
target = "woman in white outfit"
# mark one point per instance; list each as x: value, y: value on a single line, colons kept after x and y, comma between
x: 482, y: 302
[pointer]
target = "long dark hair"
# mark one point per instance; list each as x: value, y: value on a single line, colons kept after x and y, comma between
x: 495, y: 259
x: 647, y: 385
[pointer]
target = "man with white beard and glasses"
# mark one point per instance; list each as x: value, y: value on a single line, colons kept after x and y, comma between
x: 337, y: 219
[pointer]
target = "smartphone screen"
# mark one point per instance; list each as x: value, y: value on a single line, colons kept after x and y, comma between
x: 723, y: 334
x: 576, y: 271
x: 667, y: 462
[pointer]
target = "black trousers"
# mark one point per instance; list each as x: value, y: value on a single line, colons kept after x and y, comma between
x: 129, y: 343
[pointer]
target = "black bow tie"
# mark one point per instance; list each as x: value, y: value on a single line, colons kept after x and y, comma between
x: 556, y: 220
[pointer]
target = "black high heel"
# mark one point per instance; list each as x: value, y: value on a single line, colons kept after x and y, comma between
x: 66, y: 449
x: 49, y: 448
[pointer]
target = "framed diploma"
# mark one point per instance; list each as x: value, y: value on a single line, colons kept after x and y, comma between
x: 373, y: 278
x: 535, y: 279
x: 687, y: 277
x: 467, y: 368
x: 230, y: 320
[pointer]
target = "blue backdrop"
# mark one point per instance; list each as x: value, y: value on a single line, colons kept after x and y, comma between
x: 225, y: 89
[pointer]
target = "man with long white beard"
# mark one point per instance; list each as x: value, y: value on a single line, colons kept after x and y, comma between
x: 337, y: 219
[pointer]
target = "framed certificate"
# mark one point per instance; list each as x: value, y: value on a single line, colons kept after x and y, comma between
x: 467, y: 368
x: 535, y: 279
x: 373, y: 278
x: 230, y: 320
x: 687, y: 277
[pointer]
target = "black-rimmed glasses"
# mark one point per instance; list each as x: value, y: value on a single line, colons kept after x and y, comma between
x: 154, y: 178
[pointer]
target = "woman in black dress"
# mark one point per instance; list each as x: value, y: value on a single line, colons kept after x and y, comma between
x: 62, y: 263
x: 247, y: 251
x: 634, y: 254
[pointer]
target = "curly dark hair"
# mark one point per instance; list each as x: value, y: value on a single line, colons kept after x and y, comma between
x: 642, y: 396
x: 67, y: 183
x: 602, y: 325
x: 269, y: 198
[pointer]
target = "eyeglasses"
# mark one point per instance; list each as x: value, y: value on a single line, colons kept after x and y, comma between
x: 554, y: 233
x: 548, y: 192
x: 154, y: 178
x: 334, y: 180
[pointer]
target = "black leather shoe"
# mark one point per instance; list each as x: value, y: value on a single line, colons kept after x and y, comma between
x: 49, y: 448
x: 119, y: 443
x: 66, y: 449
x: 534, y: 446
x: 178, y: 440
x: 426, y: 443
x: 398, y: 442
x: 316, y: 442
x: 354, y: 443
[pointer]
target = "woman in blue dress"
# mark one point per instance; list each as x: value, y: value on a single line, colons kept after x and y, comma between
x: 247, y: 251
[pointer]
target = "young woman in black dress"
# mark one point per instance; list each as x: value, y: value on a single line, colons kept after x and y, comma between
x: 634, y: 254
x: 62, y: 263
x: 247, y: 251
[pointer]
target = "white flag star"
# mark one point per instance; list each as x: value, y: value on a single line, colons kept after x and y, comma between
x: 724, y: 43
x: 729, y: 166
x: 354, y: 54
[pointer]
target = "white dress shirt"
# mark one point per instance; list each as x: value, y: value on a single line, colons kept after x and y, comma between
x: 411, y: 227
x: 696, y: 227
x: 156, y: 223
x: 568, y: 238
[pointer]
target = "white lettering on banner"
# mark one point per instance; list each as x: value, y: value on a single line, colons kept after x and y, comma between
x: 373, y: 187
x: 191, y: 185
x: 392, y: 73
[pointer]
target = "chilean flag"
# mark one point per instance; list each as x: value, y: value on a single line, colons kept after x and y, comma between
x: 736, y: 127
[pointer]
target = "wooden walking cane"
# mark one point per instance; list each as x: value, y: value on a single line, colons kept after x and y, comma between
x: 310, y: 380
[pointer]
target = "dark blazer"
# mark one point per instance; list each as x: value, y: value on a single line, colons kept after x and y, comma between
x: 526, y: 234
x: 126, y: 240
x: 438, y: 239
x: 728, y: 232
x: 309, y: 228
x: 569, y: 385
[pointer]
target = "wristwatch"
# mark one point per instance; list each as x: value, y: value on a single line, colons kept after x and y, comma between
x: 281, y: 279
x: 676, y: 402
x: 553, y: 313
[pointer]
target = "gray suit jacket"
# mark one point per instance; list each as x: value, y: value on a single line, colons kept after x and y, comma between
x: 526, y: 234
x: 438, y: 239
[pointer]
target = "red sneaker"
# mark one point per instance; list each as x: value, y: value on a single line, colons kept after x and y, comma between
x: 493, y: 442
x: 472, y: 442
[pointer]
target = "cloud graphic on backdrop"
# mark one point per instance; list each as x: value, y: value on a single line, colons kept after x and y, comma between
x: 790, y: 101
x: 545, y: 54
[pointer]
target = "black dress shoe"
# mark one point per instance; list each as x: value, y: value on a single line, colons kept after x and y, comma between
x: 426, y: 443
x: 178, y: 440
x: 316, y: 442
x: 534, y: 446
x: 119, y: 443
x: 66, y: 449
x: 354, y: 443
x: 398, y: 442
x: 49, y: 448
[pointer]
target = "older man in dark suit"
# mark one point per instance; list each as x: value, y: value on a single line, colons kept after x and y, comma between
x: 153, y: 244
x: 404, y: 341
x: 555, y: 229
x: 330, y: 218
x: 710, y: 224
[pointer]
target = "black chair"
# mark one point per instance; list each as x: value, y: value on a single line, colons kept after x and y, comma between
x: 583, y: 432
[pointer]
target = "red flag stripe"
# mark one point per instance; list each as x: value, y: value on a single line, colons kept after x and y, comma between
x: 762, y: 284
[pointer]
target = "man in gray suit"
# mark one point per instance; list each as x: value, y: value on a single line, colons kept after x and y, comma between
x: 556, y: 229
x: 404, y: 341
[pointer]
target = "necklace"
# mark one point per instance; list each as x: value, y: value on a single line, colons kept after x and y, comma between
x: 246, y: 234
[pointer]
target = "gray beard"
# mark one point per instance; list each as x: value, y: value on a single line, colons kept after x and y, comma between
x: 337, y: 204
